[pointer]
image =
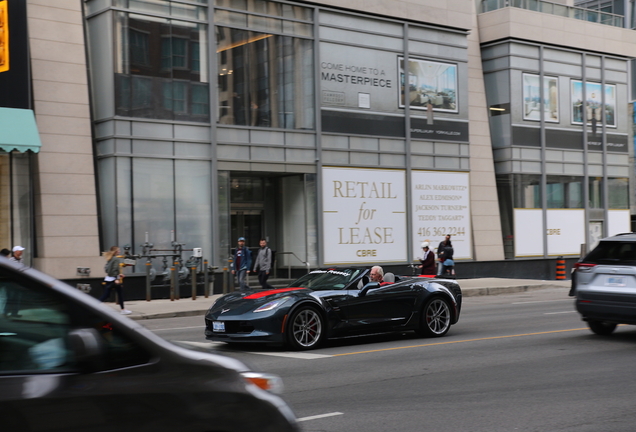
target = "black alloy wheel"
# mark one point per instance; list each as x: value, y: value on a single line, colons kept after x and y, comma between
x: 436, y: 318
x: 305, y: 329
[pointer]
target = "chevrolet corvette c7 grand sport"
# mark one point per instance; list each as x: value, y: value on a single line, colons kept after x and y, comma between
x: 332, y: 303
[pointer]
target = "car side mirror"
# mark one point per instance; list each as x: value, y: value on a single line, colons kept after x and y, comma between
x: 88, y: 349
x: 367, y: 287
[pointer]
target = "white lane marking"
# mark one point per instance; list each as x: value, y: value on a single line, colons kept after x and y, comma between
x: 178, y: 328
x: 544, y: 301
x: 296, y: 355
x: 556, y: 313
x: 319, y: 416
x: 208, y: 345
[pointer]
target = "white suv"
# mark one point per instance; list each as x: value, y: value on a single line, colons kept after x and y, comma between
x: 604, y: 284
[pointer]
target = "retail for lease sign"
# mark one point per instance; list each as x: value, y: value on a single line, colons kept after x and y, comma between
x: 441, y: 206
x: 565, y: 231
x: 364, y: 215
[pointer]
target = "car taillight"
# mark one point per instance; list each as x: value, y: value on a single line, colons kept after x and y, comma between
x: 583, y: 266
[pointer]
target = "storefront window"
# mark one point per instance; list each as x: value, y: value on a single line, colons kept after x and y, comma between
x: 618, y: 193
x: 527, y: 191
x: 596, y: 192
x: 564, y: 192
x: 161, y: 69
x: 15, y: 202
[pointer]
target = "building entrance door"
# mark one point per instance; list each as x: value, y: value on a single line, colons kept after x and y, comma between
x: 247, y: 223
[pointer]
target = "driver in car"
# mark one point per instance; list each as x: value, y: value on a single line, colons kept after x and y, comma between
x: 377, y: 274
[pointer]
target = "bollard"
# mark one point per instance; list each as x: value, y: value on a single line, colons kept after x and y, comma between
x: 225, y: 280
x: 177, y: 289
x: 173, y: 272
x: 193, y: 276
x: 206, y: 286
x: 560, y: 268
x: 148, y: 265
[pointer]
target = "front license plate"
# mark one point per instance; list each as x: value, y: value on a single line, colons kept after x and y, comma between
x: 615, y: 281
x: 218, y: 326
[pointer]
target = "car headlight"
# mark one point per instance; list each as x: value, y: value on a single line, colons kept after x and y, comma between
x: 267, y: 382
x: 273, y: 304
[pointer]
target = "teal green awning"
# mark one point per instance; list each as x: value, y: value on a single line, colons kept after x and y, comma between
x: 18, y: 130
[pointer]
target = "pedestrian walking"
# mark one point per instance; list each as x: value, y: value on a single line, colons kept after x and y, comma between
x: 263, y: 264
x: 242, y: 263
x: 16, y: 254
x: 114, y: 279
x: 445, y: 253
x: 427, y: 260
x: 14, y: 297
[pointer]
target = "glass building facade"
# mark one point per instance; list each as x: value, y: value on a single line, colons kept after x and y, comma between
x: 291, y: 122
x: 296, y: 88
x: 561, y: 142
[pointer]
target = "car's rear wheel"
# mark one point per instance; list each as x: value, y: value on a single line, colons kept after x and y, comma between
x: 601, y: 328
x: 305, y: 329
x: 436, y: 318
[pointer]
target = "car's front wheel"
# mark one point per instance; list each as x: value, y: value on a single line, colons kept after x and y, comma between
x: 436, y: 318
x: 305, y: 330
x: 601, y: 328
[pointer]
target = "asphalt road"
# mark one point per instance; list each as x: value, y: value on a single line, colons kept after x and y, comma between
x: 518, y: 362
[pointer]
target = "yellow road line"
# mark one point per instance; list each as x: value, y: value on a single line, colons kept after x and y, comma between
x: 459, y: 341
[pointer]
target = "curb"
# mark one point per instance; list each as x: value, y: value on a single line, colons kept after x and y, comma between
x: 467, y: 292
x: 143, y: 316
x: 477, y: 292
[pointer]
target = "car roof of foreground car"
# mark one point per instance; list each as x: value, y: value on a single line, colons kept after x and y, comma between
x: 148, y: 338
x: 627, y: 237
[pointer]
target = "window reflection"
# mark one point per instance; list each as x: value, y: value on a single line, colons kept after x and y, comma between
x: 264, y: 79
x: 618, y: 193
x: 596, y: 192
x: 564, y: 192
x: 161, y: 71
x: 527, y: 191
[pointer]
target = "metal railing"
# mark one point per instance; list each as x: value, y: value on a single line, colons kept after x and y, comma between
x: 289, y: 264
x: 555, y: 9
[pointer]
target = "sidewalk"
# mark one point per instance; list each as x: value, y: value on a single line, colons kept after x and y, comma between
x: 470, y: 288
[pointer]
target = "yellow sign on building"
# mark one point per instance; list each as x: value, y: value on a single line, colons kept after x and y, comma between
x: 4, y: 35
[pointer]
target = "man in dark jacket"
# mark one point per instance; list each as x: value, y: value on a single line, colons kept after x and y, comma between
x: 242, y: 263
x: 441, y: 250
x: 263, y: 264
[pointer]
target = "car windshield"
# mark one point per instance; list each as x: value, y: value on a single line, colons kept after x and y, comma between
x: 327, y: 279
x: 613, y: 252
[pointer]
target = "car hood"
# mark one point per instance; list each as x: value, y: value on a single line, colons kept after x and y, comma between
x: 238, y: 303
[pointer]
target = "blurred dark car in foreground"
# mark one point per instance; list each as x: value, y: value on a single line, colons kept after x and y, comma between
x: 604, y: 284
x: 69, y: 363
x: 332, y: 303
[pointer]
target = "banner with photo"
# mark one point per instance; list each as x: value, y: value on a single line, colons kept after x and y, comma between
x: 593, y: 102
x: 359, y: 79
x: 364, y: 215
x: 430, y: 84
x: 532, y: 98
x: 441, y: 206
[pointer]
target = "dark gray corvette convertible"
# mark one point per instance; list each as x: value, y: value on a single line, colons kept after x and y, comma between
x: 332, y: 303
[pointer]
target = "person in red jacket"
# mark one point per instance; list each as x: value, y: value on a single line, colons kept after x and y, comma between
x: 428, y: 261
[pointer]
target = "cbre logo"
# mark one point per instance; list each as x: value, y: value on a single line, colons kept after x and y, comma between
x: 4, y: 35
